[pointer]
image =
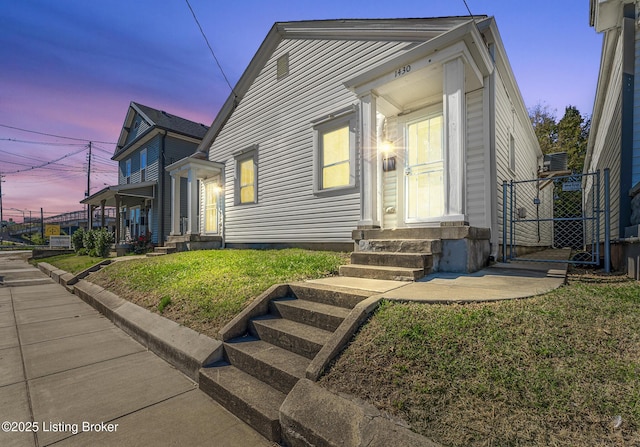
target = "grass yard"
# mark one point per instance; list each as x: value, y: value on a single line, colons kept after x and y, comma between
x: 562, y: 369
x: 205, y: 289
x: 71, y: 263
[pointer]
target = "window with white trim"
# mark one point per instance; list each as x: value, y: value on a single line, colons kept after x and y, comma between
x: 246, y: 179
x: 143, y: 165
x: 127, y: 171
x: 335, y: 154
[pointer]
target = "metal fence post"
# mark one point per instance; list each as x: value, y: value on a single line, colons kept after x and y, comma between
x: 607, y: 224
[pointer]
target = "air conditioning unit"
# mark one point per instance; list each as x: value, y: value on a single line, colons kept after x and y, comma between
x: 555, y: 162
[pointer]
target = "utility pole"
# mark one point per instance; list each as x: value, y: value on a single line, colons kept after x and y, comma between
x: 89, y: 188
x: 1, y: 216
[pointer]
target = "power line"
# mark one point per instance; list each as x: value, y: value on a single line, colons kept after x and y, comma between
x: 47, y: 163
x: 210, y: 49
x: 55, y: 136
x: 44, y: 143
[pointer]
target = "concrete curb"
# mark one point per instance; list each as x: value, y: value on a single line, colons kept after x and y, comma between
x: 341, y: 337
x: 180, y: 346
x: 343, y: 422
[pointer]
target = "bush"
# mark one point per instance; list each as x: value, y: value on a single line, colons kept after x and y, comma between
x: 102, y: 240
x: 77, y: 240
x: 94, y: 243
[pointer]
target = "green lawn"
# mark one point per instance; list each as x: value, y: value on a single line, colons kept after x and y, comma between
x: 70, y: 262
x: 555, y: 370
x: 206, y: 289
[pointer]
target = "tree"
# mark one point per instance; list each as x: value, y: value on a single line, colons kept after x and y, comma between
x: 573, y: 132
x: 545, y: 127
x: 568, y: 135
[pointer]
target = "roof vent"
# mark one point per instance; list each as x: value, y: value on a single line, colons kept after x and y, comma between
x: 283, y: 66
x: 555, y: 162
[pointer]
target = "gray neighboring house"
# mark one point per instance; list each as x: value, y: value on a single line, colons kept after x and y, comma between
x: 150, y: 140
x: 614, y: 140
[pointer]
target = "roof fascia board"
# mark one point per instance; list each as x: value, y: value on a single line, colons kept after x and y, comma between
x: 135, y: 144
x: 374, y: 29
x: 186, y: 162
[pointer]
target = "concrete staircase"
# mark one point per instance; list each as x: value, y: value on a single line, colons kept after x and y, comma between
x: 188, y: 242
x: 393, y: 259
x: 262, y: 366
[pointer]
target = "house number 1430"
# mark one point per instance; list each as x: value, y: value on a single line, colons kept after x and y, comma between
x: 403, y: 70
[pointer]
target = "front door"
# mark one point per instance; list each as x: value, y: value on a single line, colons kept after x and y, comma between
x: 424, y: 169
x: 211, y: 190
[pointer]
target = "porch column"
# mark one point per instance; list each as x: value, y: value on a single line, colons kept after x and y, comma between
x: 454, y: 139
x: 369, y: 172
x: 192, y: 202
x: 118, y: 219
x: 175, y: 205
x: 102, y: 219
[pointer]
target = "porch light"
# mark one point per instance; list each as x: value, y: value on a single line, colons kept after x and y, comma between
x: 386, y: 147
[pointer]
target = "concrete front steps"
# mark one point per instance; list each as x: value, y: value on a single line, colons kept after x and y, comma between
x: 264, y: 363
x: 188, y: 242
x: 399, y: 260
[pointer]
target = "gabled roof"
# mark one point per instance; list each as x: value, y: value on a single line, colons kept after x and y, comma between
x: 413, y: 29
x: 157, y: 119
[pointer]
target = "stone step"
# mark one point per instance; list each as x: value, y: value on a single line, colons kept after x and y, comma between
x: 300, y: 338
x: 326, y: 294
x: 381, y: 272
x: 271, y: 364
x: 409, y: 260
x: 167, y: 249
x: 424, y: 246
x: 250, y: 399
x: 323, y: 316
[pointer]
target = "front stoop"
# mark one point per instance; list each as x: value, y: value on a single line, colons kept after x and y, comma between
x: 408, y: 254
x: 188, y: 242
x: 263, y: 362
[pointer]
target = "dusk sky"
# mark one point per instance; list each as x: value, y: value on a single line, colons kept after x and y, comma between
x: 70, y: 68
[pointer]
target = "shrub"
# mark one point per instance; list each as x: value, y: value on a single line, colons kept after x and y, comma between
x: 102, y: 240
x: 77, y: 240
x: 94, y: 243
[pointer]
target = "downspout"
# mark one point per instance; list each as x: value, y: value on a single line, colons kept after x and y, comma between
x: 161, y: 186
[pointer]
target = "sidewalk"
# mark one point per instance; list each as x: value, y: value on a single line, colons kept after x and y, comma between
x: 67, y: 369
x: 499, y: 282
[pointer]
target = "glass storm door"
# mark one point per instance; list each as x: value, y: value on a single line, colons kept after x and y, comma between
x: 211, y: 207
x: 424, y: 169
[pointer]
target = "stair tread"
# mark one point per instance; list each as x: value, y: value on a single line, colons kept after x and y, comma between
x: 314, y: 306
x: 383, y: 267
x: 294, y: 328
x: 262, y: 397
x: 290, y: 362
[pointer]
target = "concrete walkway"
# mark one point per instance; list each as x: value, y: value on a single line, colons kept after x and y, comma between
x: 82, y: 381
x: 499, y: 282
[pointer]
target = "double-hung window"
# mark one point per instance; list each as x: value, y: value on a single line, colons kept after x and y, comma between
x: 335, y: 154
x: 143, y: 165
x: 246, y: 180
x: 127, y: 171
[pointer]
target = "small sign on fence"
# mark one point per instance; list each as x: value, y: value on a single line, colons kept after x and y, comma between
x: 571, y: 186
x: 60, y: 242
x: 52, y: 230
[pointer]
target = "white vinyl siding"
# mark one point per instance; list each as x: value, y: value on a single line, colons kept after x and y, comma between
x: 508, y: 125
x: 279, y: 114
x: 477, y: 202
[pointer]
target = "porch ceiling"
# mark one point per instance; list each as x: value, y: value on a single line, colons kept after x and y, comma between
x: 413, y: 90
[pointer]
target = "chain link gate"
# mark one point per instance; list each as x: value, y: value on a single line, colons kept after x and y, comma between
x: 570, y: 211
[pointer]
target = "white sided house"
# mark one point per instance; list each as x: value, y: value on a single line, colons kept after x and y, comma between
x: 393, y: 134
